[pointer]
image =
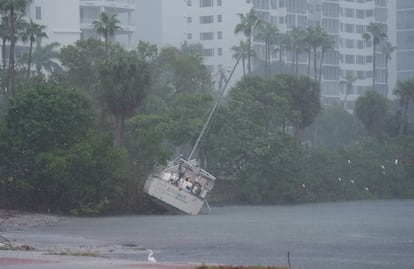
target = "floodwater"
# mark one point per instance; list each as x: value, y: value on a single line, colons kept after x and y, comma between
x: 363, y: 234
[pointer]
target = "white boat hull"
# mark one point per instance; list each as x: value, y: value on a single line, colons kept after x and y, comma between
x: 173, y: 196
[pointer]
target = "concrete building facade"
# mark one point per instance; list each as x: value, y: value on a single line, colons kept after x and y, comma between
x: 91, y: 9
x: 212, y: 23
x: 405, y: 39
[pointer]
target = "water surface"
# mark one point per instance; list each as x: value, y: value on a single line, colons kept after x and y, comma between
x: 368, y: 234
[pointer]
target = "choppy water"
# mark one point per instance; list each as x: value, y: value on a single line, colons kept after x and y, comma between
x: 377, y: 234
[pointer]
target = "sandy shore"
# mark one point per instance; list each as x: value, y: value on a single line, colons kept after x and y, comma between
x: 10, y: 219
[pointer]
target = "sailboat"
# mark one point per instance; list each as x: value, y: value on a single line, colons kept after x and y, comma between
x: 182, y: 186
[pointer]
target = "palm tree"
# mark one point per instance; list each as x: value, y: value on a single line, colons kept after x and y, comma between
x: 241, y: 52
x: 327, y: 43
x: 268, y: 34
x: 314, y: 37
x: 405, y: 91
x: 347, y: 84
x: 33, y: 32
x: 375, y: 33
x: 246, y: 26
x: 12, y: 8
x: 106, y: 26
x: 387, y: 50
x: 44, y: 58
x: 283, y: 43
x: 5, y: 36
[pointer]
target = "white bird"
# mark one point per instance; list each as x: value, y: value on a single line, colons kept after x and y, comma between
x: 366, y: 188
x: 303, y: 185
x: 383, y: 167
x: 339, y: 179
x: 150, y: 257
x: 352, y: 181
x: 349, y: 161
x: 396, y: 161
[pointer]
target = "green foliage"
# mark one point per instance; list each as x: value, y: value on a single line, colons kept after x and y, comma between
x: 52, y: 158
x: 123, y: 83
x: 45, y: 118
x: 372, y: 110
x: 81, y: 60
x: 333, y: 129
x: 144, y: 140
x: 248, y: 142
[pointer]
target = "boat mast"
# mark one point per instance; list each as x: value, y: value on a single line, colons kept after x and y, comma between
x: 222, y: 91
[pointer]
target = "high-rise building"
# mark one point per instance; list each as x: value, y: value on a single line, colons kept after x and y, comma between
x: 62, y: 27
x: 405, y: 39
x: 212, y: 23
x: 352, y: 56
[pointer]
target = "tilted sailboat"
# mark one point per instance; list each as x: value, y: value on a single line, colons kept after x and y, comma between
x: 182, y: 186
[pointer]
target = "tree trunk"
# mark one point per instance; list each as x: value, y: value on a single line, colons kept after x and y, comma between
x: 119, y: 129
x: 280, y: 60
x: 249, y: 54
x: 315, y: 71
x: 403, y: 118
x: 386, y: 77
x: 4, y: 74
x: 320, y: 67
x: 11, y: 57
x: 244, y: 66
x: 373, y: 64
x: 30, y: 57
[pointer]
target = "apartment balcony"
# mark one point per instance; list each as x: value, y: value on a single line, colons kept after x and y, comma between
x: 121, y: 5
x: 86, y: 24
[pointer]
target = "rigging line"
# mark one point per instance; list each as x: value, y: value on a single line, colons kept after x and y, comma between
x: 223, y: 90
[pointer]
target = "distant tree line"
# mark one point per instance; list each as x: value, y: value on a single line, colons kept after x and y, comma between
x: 81, y: 138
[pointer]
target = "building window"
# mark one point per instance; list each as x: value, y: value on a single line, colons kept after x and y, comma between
x: 349, y: 28
x: 189, y: 20
x: 360, y: 44
x: 206, y: 3
x: 189, y: 36
x: 38, y: 15
x: 208, y: 52
x: 219, y: 2
x: 219, y: 35
x: 207, y: 36
x: 206, y: 19
x: 220, y: 52
x: 189, y: 3
x: 360, y: 13
x: 349, y: 12
x: 360, y: 29
x: 349, y: 43
x: 219, y: 18
x: 350, y: 59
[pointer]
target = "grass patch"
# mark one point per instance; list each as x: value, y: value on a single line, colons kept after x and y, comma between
x: 79, y: 254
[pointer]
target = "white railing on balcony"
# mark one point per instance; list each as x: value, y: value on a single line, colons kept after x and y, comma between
x: 130, y: 4
x: 124, y: 28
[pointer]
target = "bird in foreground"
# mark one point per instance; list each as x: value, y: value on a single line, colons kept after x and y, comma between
x: 396, y: 161
x: 150, y: 257
x: 366, y: 188
x: 303, y: 186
